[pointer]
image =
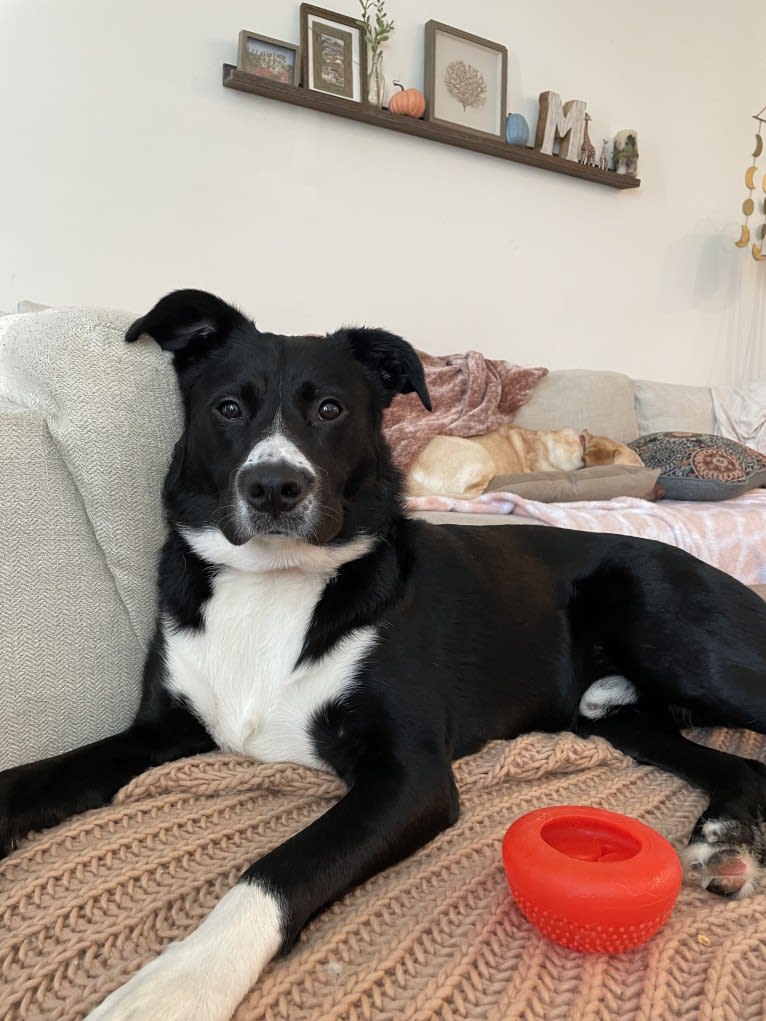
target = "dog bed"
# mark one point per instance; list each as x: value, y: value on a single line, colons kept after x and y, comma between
x: 438, y: 936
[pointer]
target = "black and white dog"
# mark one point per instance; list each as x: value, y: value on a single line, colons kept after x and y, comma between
x: 303, y: 617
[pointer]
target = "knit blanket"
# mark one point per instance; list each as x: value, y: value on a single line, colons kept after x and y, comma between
x: 436, y: 937
x: 470, y: 394
x: 729, y: 534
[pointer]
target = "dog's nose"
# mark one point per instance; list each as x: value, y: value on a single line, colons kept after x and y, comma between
x: 275, y: 487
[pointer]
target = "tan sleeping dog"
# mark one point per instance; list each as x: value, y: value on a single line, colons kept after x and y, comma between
x: 602, y: 450
x: 453, y: 466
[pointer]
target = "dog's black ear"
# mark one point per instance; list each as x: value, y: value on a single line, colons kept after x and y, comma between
x: 393, y: 362
x: 187, y: 323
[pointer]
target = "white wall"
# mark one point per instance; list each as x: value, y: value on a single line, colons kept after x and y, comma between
x: 127, y: 170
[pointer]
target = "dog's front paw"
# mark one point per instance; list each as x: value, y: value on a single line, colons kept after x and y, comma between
x: 14, y: 823
x: 204, y: 977
x: 8, y: 838
x: 9, y: 835
x: 169, y: 988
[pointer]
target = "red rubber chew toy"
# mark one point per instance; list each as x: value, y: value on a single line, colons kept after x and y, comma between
x: 591, y: 880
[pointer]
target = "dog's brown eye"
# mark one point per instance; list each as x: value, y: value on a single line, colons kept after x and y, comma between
x: 329, y: 410
x: 229, y: 409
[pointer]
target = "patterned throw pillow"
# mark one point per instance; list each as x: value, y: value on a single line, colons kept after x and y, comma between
x: 698, y: 466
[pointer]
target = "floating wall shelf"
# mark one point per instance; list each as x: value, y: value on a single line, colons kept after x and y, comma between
x: 233, y: 78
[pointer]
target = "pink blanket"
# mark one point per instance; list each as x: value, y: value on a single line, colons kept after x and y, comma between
x: 470, y: 394
x: 730, y: 535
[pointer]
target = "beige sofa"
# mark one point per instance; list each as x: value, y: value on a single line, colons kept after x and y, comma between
x: 87, y: 425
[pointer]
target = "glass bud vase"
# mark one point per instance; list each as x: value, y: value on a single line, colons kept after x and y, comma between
x: 376, y: 83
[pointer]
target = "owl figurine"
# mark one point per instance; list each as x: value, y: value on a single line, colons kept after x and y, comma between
x: 625, y: 157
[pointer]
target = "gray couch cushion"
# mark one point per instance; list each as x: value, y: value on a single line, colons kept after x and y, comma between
x: 113, y: 413
x: 71, y: 665
x: 601, y: 402
x: 672, y: 407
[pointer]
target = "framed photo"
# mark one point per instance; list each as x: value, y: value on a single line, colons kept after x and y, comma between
x: 334, y: 53
x: 466, y: 80
x: 269, y: 58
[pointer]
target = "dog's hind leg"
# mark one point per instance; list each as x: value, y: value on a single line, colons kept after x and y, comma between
x: 683, y: 633
x: 727, y: 849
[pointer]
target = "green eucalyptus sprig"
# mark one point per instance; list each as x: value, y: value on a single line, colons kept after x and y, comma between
x: 377, y: 24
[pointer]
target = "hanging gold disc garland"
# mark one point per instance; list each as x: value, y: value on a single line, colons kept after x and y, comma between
x: 748, y: 206
x: 758, y: 250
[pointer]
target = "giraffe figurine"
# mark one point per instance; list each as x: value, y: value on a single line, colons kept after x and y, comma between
x: 603, y: 160
x: 587, y: 149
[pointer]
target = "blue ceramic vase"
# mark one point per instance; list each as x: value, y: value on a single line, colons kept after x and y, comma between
x: 516, y: 129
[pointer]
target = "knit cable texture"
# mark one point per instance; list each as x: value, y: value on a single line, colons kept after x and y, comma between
x: 437, y: 937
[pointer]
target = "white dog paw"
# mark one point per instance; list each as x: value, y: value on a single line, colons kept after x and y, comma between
x: 166, y: 989
x: 204, y: 977
x: 607, y: 694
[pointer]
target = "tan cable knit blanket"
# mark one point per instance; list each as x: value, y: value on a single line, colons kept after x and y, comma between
x: 435, y: 937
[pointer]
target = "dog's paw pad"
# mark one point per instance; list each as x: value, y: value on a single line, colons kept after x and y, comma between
x: 718, y: 860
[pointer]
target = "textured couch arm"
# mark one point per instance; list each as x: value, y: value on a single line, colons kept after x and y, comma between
x: 71, y: 663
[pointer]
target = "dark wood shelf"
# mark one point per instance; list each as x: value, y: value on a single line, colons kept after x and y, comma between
x: 366, y: 114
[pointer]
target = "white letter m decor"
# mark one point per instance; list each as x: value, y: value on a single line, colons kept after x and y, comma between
x: 566, y: 122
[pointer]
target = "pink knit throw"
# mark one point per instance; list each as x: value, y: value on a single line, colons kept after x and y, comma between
x: 470, y: 395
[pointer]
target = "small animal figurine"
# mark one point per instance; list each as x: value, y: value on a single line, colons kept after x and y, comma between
x: 587, y: 149
x: 603, y: 160
x: 626, y: 152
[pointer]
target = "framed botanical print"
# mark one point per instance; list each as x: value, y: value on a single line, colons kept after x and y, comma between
x: 334, y: 53
x: 466, y: 80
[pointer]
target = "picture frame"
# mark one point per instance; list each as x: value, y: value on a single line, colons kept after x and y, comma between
x: 269, y: 58
x: 466, y: 80
x: 334, y: 53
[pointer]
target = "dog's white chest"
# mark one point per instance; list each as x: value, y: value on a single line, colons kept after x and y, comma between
x: 238, y: 672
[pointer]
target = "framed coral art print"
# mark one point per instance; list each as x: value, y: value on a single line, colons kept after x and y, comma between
x: 466, y: 80
x: 334, y: 53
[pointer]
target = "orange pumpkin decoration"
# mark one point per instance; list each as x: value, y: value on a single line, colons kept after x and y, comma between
x: 408, y: 102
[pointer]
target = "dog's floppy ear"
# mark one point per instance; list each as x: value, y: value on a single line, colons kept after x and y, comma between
x: 187, y: 323
x: 393, y: 362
